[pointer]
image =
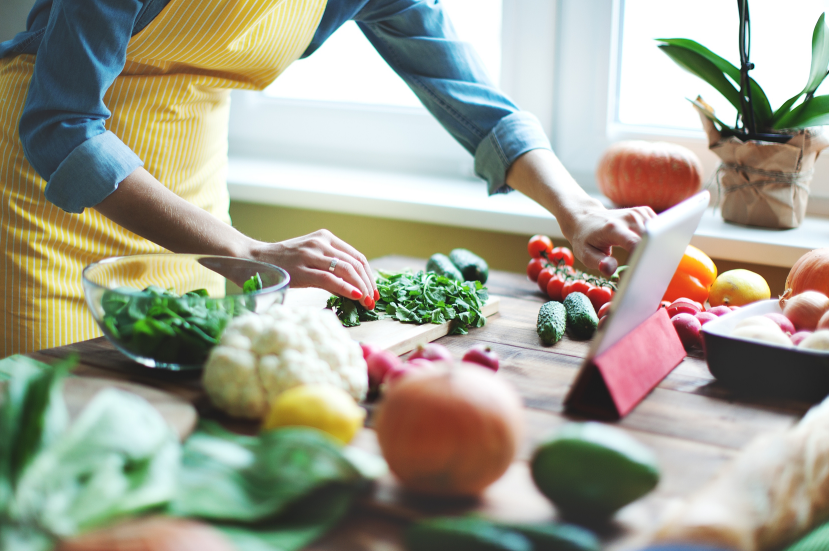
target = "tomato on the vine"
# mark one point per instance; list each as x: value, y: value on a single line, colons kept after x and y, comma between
x: 574, y: 286
x: 561, y: 254
x: 599, y: 296
x: 554, y: 287
x: 539, y: 244
x: 604, y: 310
x: 534, y: 267
x: 544, y: 277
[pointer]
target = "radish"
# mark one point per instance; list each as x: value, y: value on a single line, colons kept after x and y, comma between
x: 687, y: 327
x: 379, y: 364
x: 369, y: 349
x: 785, y: 323
x: 433, y: 352
x: 705, y: 317
x: 483, y: 355
x: 683, y: 306
x: 719, y: 310
x: 798, y: 337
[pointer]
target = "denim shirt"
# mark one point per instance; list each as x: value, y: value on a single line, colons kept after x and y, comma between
x: 81, y: 48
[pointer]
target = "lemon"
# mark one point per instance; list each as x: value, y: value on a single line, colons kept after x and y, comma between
x: 737, y: 288
x: 324, y: 407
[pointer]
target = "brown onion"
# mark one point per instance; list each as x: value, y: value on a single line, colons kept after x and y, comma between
x: 150, y: 534
x: 809, y: 273
x: 452, y: 431
x: 805, y: 309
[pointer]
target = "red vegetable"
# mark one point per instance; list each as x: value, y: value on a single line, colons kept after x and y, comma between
x: 544, y: 278
x: 534, y: 268
x: 368, y: 349
x: 604, y: 310
x: 599, y: 296
x: 560, y: 254
x: 799, y: 336
x: 785, y: 324
x: 680, y: 306
x: 539, y: 244
x: 705, y: 317
x: 719, y: 310
x: 554, y: 287
x: 431, y: 351
x: 687, y: 327
x: 379, y: 364
x: 483, y: 355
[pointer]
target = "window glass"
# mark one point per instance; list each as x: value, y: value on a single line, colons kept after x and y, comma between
x: 347, y: 68
x: 652, y: 88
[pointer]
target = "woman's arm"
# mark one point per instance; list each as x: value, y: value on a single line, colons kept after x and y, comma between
x: 142, y: 205
x: 591, y: 229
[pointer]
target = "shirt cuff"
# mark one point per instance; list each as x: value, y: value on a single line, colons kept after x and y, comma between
x: 91, y: 172
x: 513, y: 136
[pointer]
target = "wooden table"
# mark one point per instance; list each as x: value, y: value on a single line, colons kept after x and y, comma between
x: 692, y: 423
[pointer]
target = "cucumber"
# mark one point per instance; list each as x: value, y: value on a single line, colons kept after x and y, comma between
x: 463, y: 534
x: 551, y: 322
x: 472, y: 266
x: 581, y: 317
x: 561, y: 537
x: 442, y: 266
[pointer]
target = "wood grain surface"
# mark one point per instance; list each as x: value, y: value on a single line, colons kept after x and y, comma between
x: 693, y: 424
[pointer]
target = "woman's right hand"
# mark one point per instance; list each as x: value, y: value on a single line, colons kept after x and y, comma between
x: 308, y: 260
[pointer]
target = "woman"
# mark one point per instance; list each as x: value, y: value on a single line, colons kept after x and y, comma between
x: 113, y: 141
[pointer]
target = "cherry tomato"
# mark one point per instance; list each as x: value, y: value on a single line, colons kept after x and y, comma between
x: 539, y: 244
x: 561, y: 253
x: 599, y: 296
x: 554, y: 287
x: 544, y: 278
x: 534, y: 267
x: 574, y: 286
x: 604, y: 310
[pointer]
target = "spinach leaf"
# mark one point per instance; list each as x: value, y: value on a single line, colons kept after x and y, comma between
x: 421, y: 297
x: 230, y: 479
x: 253, y: 284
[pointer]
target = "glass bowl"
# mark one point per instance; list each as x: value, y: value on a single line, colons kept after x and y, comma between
x: 168, y: 310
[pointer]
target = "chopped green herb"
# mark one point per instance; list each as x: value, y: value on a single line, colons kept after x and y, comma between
x: 253, y: 284
x: 421, y: 297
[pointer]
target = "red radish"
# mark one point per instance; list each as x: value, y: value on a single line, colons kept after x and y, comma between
x: 432, y: 351
x: 664, y: 304
x: 369, y: 349
x: 785, y: 324
x: 689, y: 301
x: 379, y: 364
x: 683, y: 306
x: 483, y: 355
x: 732, y: 308
x: 687, y: 327
x: 419, y: 363
x: 705, y: 317
x: 719, y: 310
x: 798, y: 337
x: 603, y: 311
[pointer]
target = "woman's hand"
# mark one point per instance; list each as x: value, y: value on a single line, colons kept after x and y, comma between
x: 592, y: 229
x: 309, y: 260
x: 597, y: 230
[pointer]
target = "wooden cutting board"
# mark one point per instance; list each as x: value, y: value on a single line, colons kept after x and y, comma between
x: 388, y: 334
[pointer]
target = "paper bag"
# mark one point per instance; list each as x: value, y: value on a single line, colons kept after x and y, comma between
x: 765, y: 183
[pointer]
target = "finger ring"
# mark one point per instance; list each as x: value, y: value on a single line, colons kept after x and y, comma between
x: 333, y: 265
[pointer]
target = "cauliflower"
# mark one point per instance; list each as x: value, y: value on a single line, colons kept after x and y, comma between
x: 262, y: 355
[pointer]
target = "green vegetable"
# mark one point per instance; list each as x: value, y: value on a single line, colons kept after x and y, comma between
x: 463, y: 534
x: 351, y: 312
x: 159, y: 324
x: 581, y: 317
x: 552, y: 318
x: 422, y: 297
x: 592, y: 469
x: 561, y: 537
x: 443, y: 266
x: 471, y: 266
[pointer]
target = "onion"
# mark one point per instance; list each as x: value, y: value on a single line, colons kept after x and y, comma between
x: 823, y: 322
x: 805, y: 309
x: 150, y: 534
x: 809, y: 273
x: 819, y: 340
x: 452, y: 431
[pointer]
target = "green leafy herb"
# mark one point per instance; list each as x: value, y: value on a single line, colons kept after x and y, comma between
x: 421, y: 297
x: 157, y: 323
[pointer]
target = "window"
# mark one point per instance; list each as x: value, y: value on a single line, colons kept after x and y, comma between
x: 302, y: 117
x: 615, y: 84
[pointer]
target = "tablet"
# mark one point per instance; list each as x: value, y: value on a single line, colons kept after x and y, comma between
x: 651, y: 266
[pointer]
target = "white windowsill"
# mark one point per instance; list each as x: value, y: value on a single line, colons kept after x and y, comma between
x: 464, y: 203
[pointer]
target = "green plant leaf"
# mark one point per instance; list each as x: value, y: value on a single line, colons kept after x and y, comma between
x: 812, y: 112
x: 762, y: 108
x: 817, y: 71
x: 698, y: 65
x: 708, y: 114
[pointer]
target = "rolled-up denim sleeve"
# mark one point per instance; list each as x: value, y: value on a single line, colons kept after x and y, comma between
x: 417, y: 40
x: 62, y: 125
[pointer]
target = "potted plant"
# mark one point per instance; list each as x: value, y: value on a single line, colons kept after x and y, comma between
x: 768, y: 156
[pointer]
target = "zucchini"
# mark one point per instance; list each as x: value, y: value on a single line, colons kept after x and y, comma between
x: 581, y: 317
x: 551, y: 322
x: 472, y: 266
x: 442, y: 266
x: 463, y: 534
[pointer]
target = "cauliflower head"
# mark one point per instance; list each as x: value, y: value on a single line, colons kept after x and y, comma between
x: 262, y: 355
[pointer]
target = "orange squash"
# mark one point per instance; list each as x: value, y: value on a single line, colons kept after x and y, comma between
x: 659, y: 175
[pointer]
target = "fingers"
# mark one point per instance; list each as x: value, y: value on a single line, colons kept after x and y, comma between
x: 608, y: 265
x: 358, y: 262
x: 350, y: 272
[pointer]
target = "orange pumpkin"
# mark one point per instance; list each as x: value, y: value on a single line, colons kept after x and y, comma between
x: 655, y: 174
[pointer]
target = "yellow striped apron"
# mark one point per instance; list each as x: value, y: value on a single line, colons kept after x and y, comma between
x: 170, y: 105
